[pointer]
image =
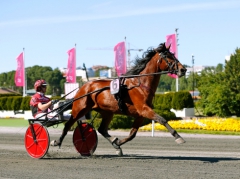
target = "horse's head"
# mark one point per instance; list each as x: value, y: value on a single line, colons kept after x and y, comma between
x: 168, y: 62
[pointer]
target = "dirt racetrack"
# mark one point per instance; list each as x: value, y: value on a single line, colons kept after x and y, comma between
x: 202, y: 156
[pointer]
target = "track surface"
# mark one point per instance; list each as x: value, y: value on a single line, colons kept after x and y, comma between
x: 203, y: 156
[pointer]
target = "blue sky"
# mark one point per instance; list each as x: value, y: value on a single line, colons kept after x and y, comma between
x: 208, y: 29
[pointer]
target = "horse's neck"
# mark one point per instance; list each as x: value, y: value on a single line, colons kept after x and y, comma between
x: 151, y: 81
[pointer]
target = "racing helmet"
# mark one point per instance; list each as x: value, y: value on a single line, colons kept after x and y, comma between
x: 38, y: 84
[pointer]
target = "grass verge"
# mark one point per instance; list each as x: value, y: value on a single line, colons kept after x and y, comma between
x: 13, y: 122
x: 10, y: 122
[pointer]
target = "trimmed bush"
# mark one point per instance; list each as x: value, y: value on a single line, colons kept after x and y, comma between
x: 9, y: 103
x: 118, y: 121
x: 25, y: 105
x: 121, y: 121
x: 167, y: 100
x: 16, y: 103
x: 182, y: 99
x: 166, y: 114
x: 9, y: 94
x: 3, y: 103
x: 158, y: 99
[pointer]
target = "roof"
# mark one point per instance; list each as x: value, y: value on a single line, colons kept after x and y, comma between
x: 31, y: 92
x: 7, y: 91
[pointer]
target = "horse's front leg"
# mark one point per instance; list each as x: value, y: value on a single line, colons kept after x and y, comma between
x: 161, y: 120
x: 147, y: 112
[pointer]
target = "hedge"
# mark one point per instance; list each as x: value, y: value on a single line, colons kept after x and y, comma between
x: 3, y: 103
x: 182, y: 99
x: 9, y: 103
x: 25, y: 105
x: 16, y: 103
x: 162, y: 104
x: 9, y: 94
x: 118, y: 121
x: 177, y: 100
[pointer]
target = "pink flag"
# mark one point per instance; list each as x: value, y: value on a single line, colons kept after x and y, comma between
x: 71, y: 68
x: 120, y: 58
x: 171, y: 40
x: 19, y: 75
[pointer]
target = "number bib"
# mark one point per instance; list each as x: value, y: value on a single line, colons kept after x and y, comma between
x: 114, y: 86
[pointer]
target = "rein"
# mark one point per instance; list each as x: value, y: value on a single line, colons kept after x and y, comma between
x: 157, y: 73
x: 69, y: 103
x: 66, y: 95
x: 104, y: 88
x: 122, y: 78
x: 170, y: 66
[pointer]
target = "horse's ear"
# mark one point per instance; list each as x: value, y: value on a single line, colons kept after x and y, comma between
x: 165, y: 47
x: 161, y: 47
x: 168, y: 48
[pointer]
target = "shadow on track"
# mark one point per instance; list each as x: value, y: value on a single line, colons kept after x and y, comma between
x: 129, y: 157
x: 204, y: 159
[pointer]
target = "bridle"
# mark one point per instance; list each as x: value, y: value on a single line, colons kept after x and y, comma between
x: 163, y: 55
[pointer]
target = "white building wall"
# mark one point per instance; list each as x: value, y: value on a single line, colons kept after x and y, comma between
x: 196, y: 69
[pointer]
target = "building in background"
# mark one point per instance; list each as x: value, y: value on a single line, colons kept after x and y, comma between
x: 227, y: 58
x: 80, y: 72
x: 105, y: 73
x: 196, y: 69
x: 7, y: 91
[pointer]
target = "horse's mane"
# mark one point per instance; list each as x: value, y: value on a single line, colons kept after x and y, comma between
x: 140, y: 63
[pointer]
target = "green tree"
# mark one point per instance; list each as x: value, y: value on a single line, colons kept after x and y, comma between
x: 3, y: 79
x: 220, y: 90
x: 232, y: 81
x: 54, y: 79
x: 219, y: 68
x: 213, y: 91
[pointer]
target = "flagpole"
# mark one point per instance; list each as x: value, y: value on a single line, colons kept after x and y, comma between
x: 127, y: 54
x: 75, y: 62
x: 176, y: 34
x: 24, y: 74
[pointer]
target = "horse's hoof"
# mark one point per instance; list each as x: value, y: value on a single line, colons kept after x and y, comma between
x: 119, y: 152
x: 113, y: 139
x: 180, y: 140
x: 54, y: 143
x: 115, y: 143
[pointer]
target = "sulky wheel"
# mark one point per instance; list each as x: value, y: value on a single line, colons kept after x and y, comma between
x: 85, y: 139
x: 37, y: 140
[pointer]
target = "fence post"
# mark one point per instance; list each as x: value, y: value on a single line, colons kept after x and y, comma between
x: 153, y: 123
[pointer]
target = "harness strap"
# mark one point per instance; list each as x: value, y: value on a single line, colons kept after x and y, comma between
x: 148, y: 89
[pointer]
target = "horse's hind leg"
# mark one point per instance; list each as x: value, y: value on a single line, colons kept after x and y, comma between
x: 136, y: 124
x: 103, y: 130
x: 66, y: 128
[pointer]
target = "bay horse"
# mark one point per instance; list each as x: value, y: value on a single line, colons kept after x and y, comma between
x: 139, y: 85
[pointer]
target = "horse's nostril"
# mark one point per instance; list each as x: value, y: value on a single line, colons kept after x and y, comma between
x: 183, y: 70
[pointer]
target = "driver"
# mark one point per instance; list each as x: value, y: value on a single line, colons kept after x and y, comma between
x: 41, y: 104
